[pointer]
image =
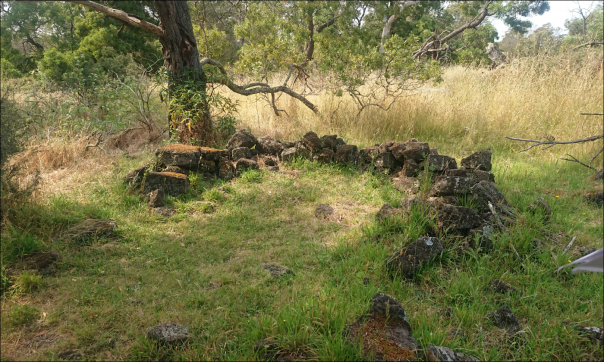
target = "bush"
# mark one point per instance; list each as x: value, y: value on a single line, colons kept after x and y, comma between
x: 12, y: 127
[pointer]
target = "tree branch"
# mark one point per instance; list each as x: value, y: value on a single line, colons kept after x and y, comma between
x: 552, y: 142
x: 577, y: 161
x: 123, y: 16
x: 328, y: 23
x: 257, y: 88
x: 587, y: 44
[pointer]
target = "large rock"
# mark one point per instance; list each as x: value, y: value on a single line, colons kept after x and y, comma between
x: 383, y: 331
x: 292, y: 153
x: 411, y: 168
x: 241, y: 152
x: 176, y: 169
x: 88, y: 230
x: 177, y: 154
x: 480, y: 175
x: 172, y: 184
x: 156, y: 198
x: 385, y: 147
x: 408, y: 260
x: 367, y: 155
x: 208, y: 167
x: 136, y: 176
x: 439, y: 163
x: 245, y: 164
x: 267, y: 145
x: 541, y: 206
x: 213, y: 154
x: 596, y: 334
x: 242, y: 138
x: 482, y: 237
x: 384, y: 161
x: 405, y: 184
x: 329, y: 141
x: 457, y: 219
x: 324, y: 156
x: 226, y: 170
x: 417, y: 151
x: 485, y: 192
x: 346, y: 154
x: 506, y: 319
x: 450, y: 186
x: 480, y: 160
x: 446, y: 354
x: 40, y: 261
x: 311, y: 142
x: 397, y: 149
x: 168, y: 333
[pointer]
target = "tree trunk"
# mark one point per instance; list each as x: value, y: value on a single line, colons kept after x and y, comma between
x: 387, y: 31
x: 189, y: 114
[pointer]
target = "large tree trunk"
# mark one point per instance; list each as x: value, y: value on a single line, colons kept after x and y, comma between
x: 190, y: 118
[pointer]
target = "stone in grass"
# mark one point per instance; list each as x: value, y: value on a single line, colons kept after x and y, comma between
x: 277, y: 271
x: 485, y: 192
x: 479, y: 160
x: 324, y: 156
x: 168, y: 333
x: 267, y: 145
x: 506, y: 319
x: 385, y: 147
x: 397, y: 150
x: 457, y: 219
x: 482, y: 237
x: 292, y: 153
x: 542, y: 207
x: 245, y: 164
x: 416, y: 151
x: 408, y: 260
x: 480, y: 175
x: 595, y: 198
x: 213, y: 154
x: 177, y: 154
x: 241, y: 138
x: 156, y: 198
x: 269, y: 162
x: 596, y: 334
x: 329, y: 141
x: 323, y: 211
x: 450, y: 186
x: 267, y: 345
x: 502, y: 288
x: 272, y: 168
x: 164, y: 211
x: 226, y: 170
x: 88, y: 230
x: 599, y: 175
x: 367, y: 155
x: 445, y: 354
x: 40, y: 261
x: 171, y: 183
x: 537, y: 245
x: 135, y: 177
x: 346, y: 154
x: 311, y: 142
x: 384, y: 162
x: 383, y: 331
x: 585, y: 250
x: 440, y: 163
x: 240, y: 152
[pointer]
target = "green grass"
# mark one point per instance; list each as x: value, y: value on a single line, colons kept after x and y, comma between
x: 203, y: 268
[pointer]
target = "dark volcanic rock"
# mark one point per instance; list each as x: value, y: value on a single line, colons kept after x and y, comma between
x: 457, y: 219
x: 504, y: 318
x: 596, y: 334
x: 213, y: 154
x: 417, y: 151
x: 324, y: 156
x: 407, y: 261
x: 177, y: 154
x: 269, y: 162
x: 135, y: 177
x: 176, y: 169
x: 40, y: 261
x: 312, y: 142
x: 322, y: 211
x: 267, y: 145
x: 450, y: 186
x: 457, y: 172
x: 599, y: 175
x: 384, y: 162
x: 245, y: 164
x: 173, y: 184
x: 156, y: 198
x: 397, y: 150
x: 329, y: 141
x: 439, y: 163
x: 242, y: 138
x: 367, y: 155
x: 207, y: 167
x: 385, y: 147
x: 480, y: 160
x: 541, y: 206
x: 346, y: 154
x: 409, y: 185
x: 226, y: 170
x: 240, y: 152
x: 383, y: 331
x: 411, y: 168
x: 480, y: 175
x: 292, y: 153
x: 586, y: 250
x: 168, y: 333
x: 445, y: 354
x: 277, y: 271
x: 502, y: 288
x: 482, y: 237
x: 485, y: 192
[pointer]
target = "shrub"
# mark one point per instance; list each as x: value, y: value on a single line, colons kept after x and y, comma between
x: 12, y: 127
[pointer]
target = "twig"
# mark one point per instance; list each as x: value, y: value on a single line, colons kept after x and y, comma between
x: 502, y: 227
x: 577, y: 161
x: 97, y: 145
x: 592, y: 114
x: 569, y: 245
x: 552, y: 142
x: 593, y: 158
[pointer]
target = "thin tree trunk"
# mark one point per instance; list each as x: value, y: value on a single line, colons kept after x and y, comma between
x: 309, y: 48
x: 387, y: 31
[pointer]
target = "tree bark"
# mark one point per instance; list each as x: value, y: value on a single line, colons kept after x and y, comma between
x: 387, y: 30
x: 309, y: 48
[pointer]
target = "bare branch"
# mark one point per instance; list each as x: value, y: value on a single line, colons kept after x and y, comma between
x: 577, y: 161
x: 123, y: 16
x: 592, y: 114
x: 587, y: 44
x: 257, y: 88
x: 569, y: 245
x: 597, y: 154
x: 552, y: 142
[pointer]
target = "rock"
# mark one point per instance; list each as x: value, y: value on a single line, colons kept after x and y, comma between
x: 135, y: 177
x: 385, y: 147
x: 367, y: 155
x: 480, y: 175
x: 272, y: 168
x: 323, y: 211
x: 171, y: 183
x: 504, y: 318
x: 312, y: 142
x: 213, y: 154
x: 292, y: 153
x: 177, y: 154
x: 163, y: 211
x: 411, y: 168
x: 156, y: 198
x: 242, y: 138
x: 586, y: 250
x: 207, y: 167
x: 88, y: 230
x: 450, y: 186
x: 70, y: 355
x: 39, y: 261
x: 384, y: 162
x: 383, y: 331
x: 386, y: 212
x: 277, y: 271
x: 328, y: 141
x: 457, y: 219
x: 479, y: 160
x: 337, y: 143
x: 417, y: 151
x: 176, y: 169
x: 405, y: 184
x: 269, y: 162
x: 596, y: 198
x: 397, y: 150
x: 241, y: 152
x: 287, y: 145
x: 482, y: 237
x: 541, y: 206
x: 599, y: 175
x: 324, y: 156
x: 346, y: 154
x: 413, y: 202
x: 168, y: 333
x: 485, y: 192
x: 244, y: 164
x: 267, y: 145
x: 457, y: 172
x: 502, y: 288
x: 226, y: 170
x: 445, y: 354
x: 439, y: 164
x: 408, y: 260
x: 596, y: 334
x: 434, y: 151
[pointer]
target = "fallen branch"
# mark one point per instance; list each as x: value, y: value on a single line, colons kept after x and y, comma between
x: 569, y: 245
x: 592, y: 114
x: 587, y: 44
x: 97, y: 144
x: 503, y: 228
x: 552, y: 142
x: 579, y: 162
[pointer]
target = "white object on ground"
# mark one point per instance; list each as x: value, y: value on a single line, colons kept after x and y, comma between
x: 593, y: 262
